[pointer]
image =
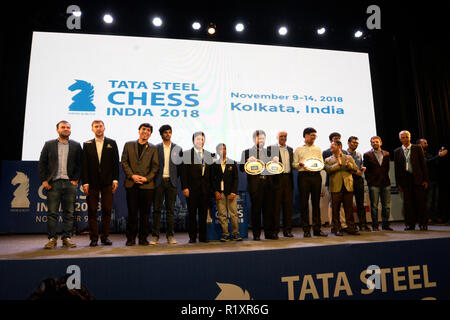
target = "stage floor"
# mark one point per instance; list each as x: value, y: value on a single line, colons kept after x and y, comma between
x: 13, y: 247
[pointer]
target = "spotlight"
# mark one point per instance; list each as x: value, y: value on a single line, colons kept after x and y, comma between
x: 283, y: 31
x: 212, y: 28
x: 108, y: 18
x: 358, y: 34
x: 239, y: 27
x: 196, y: 25
x: 157, y: 22
x: 76, y: 13
x: 321, y: 30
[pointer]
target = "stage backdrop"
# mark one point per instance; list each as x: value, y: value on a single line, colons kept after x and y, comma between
x: 227, y: 90
x: 23, y: 204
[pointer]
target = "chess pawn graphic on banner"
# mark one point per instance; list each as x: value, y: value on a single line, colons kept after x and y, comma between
x: 20, y: 199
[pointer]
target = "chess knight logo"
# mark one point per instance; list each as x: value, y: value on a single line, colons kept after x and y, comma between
x: 82, y: 101
x: 21, y: 193
x: 231, y: 291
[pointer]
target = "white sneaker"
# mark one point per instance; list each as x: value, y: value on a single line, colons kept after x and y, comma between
x: 171, y: 240
x: 154, y: 241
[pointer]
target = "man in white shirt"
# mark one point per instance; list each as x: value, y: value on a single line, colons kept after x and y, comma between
x: 309, y: 183
x: 100, y: 176
x: 283, y: 185
x: 166, y: 182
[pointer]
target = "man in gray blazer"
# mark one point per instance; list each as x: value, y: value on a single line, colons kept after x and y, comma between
x: 169, y: 155
x: 140, y: 164
x: 59, y: 171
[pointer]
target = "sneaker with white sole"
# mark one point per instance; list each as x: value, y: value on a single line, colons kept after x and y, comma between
x: 51, y: 244
x: 154, y: 241
x: 171, y: 240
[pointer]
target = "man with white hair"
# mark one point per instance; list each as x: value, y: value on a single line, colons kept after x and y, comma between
x: 411, y: 176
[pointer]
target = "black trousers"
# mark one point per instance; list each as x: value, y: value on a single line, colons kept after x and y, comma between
x: 261, y: 199
x: 107, y: 203
x: 139, y: 203
x: 197, y: 204
x: 283, y: 201
x: 310, y: 184
x: 414, y: 203
x: 358, y: 191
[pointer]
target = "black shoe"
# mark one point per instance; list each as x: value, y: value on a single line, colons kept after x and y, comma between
x: 192, y: 240
x: 273, y: 237
x: 353, y: 232
x: 367, y: 229
x: 130, y: 243
x: 256, y: 238
x: 320, y: 234
x: 144, y: 242
x: 106, y: 242
x: 410, y: 228
x: 288, y: 234
x: 375, y: 229
x: 307, y: 234
x: 388, y: 228
x: 338, y: 233
x: 93, y: 243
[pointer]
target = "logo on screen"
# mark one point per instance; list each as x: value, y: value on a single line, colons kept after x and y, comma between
x: 82, y: 101
x: 20, y: 199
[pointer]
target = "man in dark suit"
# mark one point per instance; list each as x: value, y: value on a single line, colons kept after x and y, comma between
x: 411, y: 176
x: 100, y: 175
x: 59, y: 171
x: 283, y: 186
x: 195, y: 183
x: 140, y: 164
x: 377, y: 162
x: 225, y: 180
x: 169, y: 155
x: 258, y: 187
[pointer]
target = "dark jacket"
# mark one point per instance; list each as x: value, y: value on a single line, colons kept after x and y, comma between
x: 191, y: 172
x: 174, y: 163
x: 230, y: 177
x: 274, y: 151
x: 48, y: 161
x: 147, y: 165
x: 377, y: 175
x: 418, y: 163
x: 104, y: 173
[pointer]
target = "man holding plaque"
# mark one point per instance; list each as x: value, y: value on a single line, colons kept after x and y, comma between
x: 283, y: 185
x: 253, y: 162
x: 309, y: 162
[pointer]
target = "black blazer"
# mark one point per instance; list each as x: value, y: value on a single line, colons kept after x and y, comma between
x: 100, y: 174
x: 254, y: 181
x: 48, y: 161
x: 375, y: 174
x: 191, y: 171
x: 275, y: 151
x: 418, y: 163
x: 230, y: 177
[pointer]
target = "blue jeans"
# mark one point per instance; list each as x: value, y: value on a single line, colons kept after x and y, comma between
x: 65, y: 193
x: 375, y: 193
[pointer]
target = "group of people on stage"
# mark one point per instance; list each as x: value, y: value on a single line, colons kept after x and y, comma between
x: 152, y: 172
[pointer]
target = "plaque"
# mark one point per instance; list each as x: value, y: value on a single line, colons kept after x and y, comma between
x: 275, y: 167
x: 314, y: 164
x: 254, y: 167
